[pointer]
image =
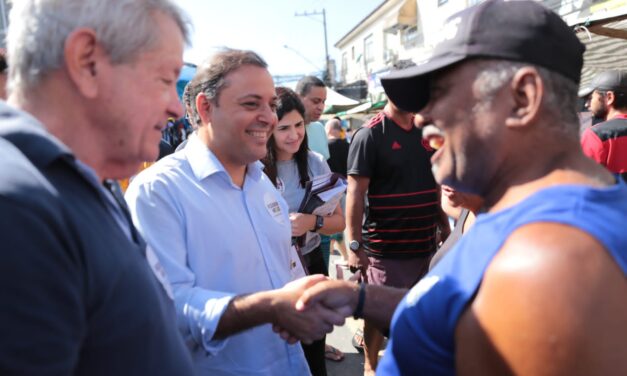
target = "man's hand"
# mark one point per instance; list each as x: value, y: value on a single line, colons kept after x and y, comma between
x: 320, y: 298
x: 304, y: 325
x: 358, y: 260
x: 340, y: 296
x: 301, y: 223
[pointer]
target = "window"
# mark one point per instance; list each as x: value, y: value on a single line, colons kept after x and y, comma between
x: 344, y: 66
x: 369, y: 49
x: 442, y: 2
x: 410, y: 37
x: 353, y: 53
x: 473, y: 2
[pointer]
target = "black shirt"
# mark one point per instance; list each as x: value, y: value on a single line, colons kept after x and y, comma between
x: 402, y: 195
x: 338, y: 149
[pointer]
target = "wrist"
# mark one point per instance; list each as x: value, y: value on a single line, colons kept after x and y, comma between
x: 358, y: 313
x: 270, y: 304
x: 318, y: 223
x: 355, y: 246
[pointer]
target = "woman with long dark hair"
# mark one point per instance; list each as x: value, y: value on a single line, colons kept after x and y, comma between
x: 290, y: 164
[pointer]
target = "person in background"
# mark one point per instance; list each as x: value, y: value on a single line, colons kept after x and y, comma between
x: 290, y: 164
x: 606, y: 142
x: 4, y: 69
x: 537, y: 286
x: 463, y: 208
x: 338, y: 150
x: 222, y: 231
x: 389, y: 165
x: 189, y: 96
x: 313, y: 93
x: 91, y: 84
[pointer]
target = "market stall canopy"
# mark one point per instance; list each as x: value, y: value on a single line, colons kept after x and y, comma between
x: 364, y: 108
x: 337, y: 102
x: 605, y: 36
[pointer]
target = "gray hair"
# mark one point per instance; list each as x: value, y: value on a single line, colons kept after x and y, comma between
x: 561, y: 92
x: 210, y: 77
x: 305, y: 84
x: 38, y: 30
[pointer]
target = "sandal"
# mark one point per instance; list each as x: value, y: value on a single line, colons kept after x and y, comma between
x: 358, y: 340
x: 333, y: 354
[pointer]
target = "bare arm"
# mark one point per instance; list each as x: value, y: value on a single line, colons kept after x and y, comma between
x: 277, y: 307
x: 342, y: 296
x: 551, y: 303
x: 355, y: 198
x: 301, y: 223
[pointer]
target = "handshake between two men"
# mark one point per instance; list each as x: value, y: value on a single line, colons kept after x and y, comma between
x: 309, y: 307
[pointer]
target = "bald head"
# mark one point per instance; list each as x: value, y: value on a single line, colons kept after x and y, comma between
x: 333, y: 128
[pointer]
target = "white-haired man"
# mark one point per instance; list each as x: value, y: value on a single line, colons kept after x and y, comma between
x: 92, y: 83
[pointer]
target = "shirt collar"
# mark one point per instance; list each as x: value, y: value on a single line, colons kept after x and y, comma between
x: 204, y: 162
x: 31, y: 136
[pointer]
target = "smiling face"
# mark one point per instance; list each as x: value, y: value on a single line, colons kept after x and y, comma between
x: 314, y: 103
x: 288, y: 135
x: 136, y: 99
x: 471, y: 127
x: 243, y: 117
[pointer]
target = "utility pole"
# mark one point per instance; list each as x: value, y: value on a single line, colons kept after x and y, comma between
x: 327, y: 73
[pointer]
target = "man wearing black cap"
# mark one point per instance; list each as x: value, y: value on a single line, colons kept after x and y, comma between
x: 538, y: 285
x: 606, y: 143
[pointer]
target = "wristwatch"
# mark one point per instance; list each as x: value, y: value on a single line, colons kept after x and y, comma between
x: 319, y: 223
x: 354, y: 245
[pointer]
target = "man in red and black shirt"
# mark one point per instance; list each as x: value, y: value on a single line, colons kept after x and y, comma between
x: 389, y: 163
x: 606, y: 142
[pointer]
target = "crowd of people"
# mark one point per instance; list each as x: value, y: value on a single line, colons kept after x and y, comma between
x: 206, y: 266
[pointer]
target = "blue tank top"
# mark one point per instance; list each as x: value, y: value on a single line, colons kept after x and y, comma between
x: 423, y: 326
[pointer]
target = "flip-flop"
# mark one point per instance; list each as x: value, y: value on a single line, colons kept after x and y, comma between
x: 358, y: 340
x: 333, y: 354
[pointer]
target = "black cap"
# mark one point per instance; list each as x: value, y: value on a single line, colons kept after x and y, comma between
x: 612, y: 80
x: 523, y: 31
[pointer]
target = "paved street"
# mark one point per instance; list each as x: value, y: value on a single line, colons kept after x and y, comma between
x: 353, y: 363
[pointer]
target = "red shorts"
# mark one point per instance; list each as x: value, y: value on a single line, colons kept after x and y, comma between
x: 403, y: 273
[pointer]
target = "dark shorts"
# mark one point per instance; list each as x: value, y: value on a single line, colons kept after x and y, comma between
x: 403, y: 273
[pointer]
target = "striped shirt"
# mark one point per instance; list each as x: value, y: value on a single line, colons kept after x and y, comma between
x: 402, y: 195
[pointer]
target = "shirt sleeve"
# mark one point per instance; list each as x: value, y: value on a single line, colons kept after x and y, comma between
x: 592, y: 146
x: 317, y: 164
x: 155, y: 213
x: 318, y: 139
x: 361, y: 153
x: 42, y: 320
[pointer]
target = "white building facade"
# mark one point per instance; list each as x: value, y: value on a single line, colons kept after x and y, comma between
x: 408, y: 29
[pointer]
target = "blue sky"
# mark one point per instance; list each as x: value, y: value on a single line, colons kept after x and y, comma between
x: 266, y: 26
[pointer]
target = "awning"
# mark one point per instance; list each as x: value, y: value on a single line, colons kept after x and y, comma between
x: 337, y: 102
x: 364, y: 108
x: 407, y: 17
x: 408, y: 14
x: 605, y: 37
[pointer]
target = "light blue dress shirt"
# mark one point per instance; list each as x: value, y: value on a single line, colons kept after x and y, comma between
x: 216, y: 240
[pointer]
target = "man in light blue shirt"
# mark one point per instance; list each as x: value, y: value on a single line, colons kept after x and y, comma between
x: 222, y: 233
